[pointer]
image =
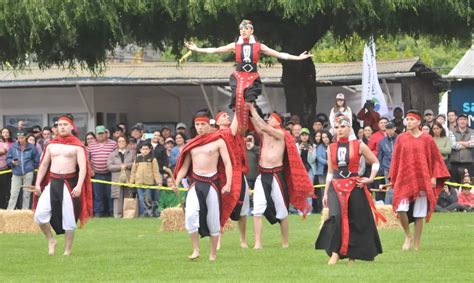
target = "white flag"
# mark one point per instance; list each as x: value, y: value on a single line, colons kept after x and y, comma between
x: 371, y: 89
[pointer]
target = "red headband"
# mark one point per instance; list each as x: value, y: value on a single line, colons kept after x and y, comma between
x: 274, y: 115
x: 218, y: 115
x: 66, y: 119
x: 202, y: 119
x: 414, y: 115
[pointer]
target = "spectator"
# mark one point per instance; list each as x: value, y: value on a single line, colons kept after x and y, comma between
x: 438, y: 132
x: 159, y: 150
x: 369, y: 116
x: 367, y: 134
x: 441, y: 118
x: 181, y: 128
x: 132, y: 145
x: 462, y: 143
x: 360, y: 134
x: 165, y: 132
x: 169, y: 144
x: 318, y: 156
x: 398, y: 120
x: 99, y: 154
x: 429, y: 117
x: 253, y: 153
x: 340, y: 107
x: 426, y: 129
x: 23, y: 158
x: 169, y: 198
x: 452, y: 116
x: 304, y: 147
x: 145, y: 171
x: 117, y: 132
x: 180, y: 139
x: 295, y: 131
x: 289, y: 126
x: 378, y: 136
x: 45, y: 136
x: 385, y: 151
x: 31, y: 139
x: 36, y: 131
x: 19, y: 128
x: 317, y: 125
x: 5, y: 178
x: 120, y: 163
x: 7, y: 137
x: 54, y: 128
x: 295, y: 119
x: 324, y: 119
x: 447, y: 201
x: 137, y: 133
x: 465, y: 196
x: 123, y: 127
x: 90, y: 139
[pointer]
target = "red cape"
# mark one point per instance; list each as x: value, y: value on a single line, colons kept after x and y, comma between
x: 228, y: 201
x: 299, y: 185
x: 414, y: 162
x: 86, y: 194
x: 238, y: 149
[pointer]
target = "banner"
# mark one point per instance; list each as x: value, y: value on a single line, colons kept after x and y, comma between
x: 371, y: 89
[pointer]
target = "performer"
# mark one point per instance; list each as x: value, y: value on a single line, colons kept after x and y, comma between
x: 207, y: 163
x: 245, y: 80
x: 350, y: 231
x: 64, y: 186
x: 282, y: 179
x: 417, y: 173
x: 229, y: 133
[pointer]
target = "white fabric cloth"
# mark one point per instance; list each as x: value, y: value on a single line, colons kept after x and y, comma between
x: 420, y: 209
x: 260, y: 202
x: 191, y: 219
x: 246, y: 205
x: 43, y: 209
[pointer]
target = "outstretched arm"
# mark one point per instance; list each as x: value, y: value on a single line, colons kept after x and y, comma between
x: 223, y: 49
x: 262, y: 126
x: 284, y: 56
x: 234, y: 126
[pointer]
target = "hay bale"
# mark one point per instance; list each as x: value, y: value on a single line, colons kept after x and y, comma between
x: 172, y: 219
x: 385, y: 210
x: 17, y: 221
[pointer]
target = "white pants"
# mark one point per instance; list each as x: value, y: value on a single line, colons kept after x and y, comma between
x: 213, y: 212
x: 43, y: 209
x: 246, y: 205
x: 420, y: 209
x: 260, y: 202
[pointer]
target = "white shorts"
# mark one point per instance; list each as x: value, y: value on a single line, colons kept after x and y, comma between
x: 43, y: 209
x: 420, y: 209
x: 246, y: 205
x: 260, y: 202
x: 192, y: 211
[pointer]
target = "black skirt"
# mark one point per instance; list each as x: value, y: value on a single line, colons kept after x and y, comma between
x: 364, y: 241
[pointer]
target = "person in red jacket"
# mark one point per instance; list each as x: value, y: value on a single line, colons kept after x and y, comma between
x: 369, y: 115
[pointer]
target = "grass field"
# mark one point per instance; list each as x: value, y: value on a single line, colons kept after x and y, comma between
x: 135, y: 250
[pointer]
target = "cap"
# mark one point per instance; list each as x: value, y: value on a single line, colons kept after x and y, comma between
x: 462, y: 115
x: 169, y: 140
x: 304, y: 131
x: 390, y: 125
x: 137, y: 126
x: 340, y: 96
x: 100, y: 129
x: 181, y: 126
x: 428, y: 112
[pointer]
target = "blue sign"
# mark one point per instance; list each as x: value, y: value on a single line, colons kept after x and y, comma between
x: 461, y: 99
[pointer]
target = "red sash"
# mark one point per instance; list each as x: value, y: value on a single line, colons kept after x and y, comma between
x: 343, y: 188
x: 244, y: 80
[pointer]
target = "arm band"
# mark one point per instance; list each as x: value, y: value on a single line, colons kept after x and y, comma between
x: 283, y: 56
x: 376, y: 167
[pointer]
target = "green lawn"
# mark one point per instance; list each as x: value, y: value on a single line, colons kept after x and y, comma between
x: 135, y: 250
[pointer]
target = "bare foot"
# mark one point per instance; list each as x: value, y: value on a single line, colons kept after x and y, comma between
x: 416, y: 248
x: 212, y: 257
x: 194, y: 256
x: 52, y: 246
x: 67, y: 253
x: 244, y: 245
x: 257, y: 247
x: 334, y: 258
x: 285, y: 246
x: 406, y: 244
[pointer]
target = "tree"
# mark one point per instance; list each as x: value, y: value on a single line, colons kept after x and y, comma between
x: 68, y: 31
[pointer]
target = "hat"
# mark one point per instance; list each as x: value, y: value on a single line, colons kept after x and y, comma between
x: 181, y: 126
x: 169, y: 140
x: 138, y: 127
x: 462, y: 115
x: 441, y: 115
x: 390, y: 125
x: 100, y: 129
x: 20, y: 133
x: 340, y: 96
x: 428, y: 112
x: 304, y: 131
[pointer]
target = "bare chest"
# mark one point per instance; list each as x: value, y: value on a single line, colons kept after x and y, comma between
x: 62, y: 150
x: 209, y: 149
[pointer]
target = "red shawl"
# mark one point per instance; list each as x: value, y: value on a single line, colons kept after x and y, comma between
x: 86, y: 193
x: 414, y: 162
x: 238, y: 148
x: 228, y: 201
x: 299, y: 185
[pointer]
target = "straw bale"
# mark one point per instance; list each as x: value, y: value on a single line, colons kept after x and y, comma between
x: 17, y: 221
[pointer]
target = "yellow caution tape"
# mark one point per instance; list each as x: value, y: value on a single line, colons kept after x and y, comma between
x: 5, y: 171
x: 137, y: 186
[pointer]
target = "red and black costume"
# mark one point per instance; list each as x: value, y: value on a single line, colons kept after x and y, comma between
x: 245, y: 80
x: 83, y: 204
x: 415, y: 161
x: 227, y: 201
x: 350, y: 230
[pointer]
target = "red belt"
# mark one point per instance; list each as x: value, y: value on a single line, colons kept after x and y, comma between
x: 270, y: 170
x: 343, y: 188
x: 205, y: 179
x: 62, y: 176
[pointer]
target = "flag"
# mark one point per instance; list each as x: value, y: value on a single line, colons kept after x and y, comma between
x: 371, y: 89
